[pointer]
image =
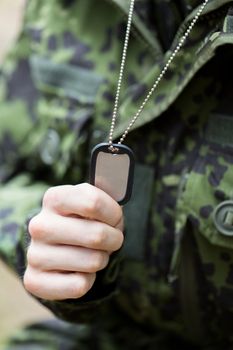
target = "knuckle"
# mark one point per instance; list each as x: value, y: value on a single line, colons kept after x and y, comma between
x: 51, y: 198
x: 93, y: 200
x: 98, y: 262
x: 33, y: 258
x: 81, y: 287
x: 120, y: 219
x: 93, y: 204
x: 84, y: 286
x: 84, y: 186
x: 30, y: 282
x: 120, y: 239
x: 98, y: 238
x: 35, y: 227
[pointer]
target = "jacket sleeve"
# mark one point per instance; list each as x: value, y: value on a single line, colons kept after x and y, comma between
x: 30, y: 163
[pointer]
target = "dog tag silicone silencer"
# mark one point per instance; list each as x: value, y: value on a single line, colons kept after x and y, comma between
x: 113, y: 171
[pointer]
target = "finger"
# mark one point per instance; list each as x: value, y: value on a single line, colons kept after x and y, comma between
x: 66, y: 258
x: 57, y: 229
x: 83, y: 200
x: 57, y: 286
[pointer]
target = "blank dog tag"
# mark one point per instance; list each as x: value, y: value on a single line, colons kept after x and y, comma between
x: 112, y: 171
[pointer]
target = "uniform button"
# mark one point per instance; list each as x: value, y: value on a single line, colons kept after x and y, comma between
x: 49, y: 150
x: 223, y: 218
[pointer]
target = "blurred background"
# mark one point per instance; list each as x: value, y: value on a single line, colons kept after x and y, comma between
x: 16, y: 307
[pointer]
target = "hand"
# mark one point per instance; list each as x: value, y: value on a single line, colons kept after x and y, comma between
x: 71, y: 239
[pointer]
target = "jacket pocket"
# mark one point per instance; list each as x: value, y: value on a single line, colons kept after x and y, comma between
x: 65, y: 108
x: 209, y: 186
x: 205, y: 219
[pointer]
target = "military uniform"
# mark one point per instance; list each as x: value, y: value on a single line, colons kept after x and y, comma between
x: 171, y: 285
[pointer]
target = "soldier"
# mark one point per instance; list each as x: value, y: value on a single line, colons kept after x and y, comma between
x: 157, y: 272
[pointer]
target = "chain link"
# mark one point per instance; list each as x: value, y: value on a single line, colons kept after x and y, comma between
x: 157, y: 81
x: 122, y: 67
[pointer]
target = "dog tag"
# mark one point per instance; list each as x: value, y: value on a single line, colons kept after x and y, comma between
x: 112, y: 170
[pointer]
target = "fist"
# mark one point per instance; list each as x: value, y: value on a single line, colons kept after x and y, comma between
x: 72, y: 238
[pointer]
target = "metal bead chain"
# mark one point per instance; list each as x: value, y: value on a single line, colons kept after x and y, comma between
x: 124, y: 54
x: 157, y: 81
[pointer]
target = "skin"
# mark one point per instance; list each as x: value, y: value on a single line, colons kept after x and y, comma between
x: 72, y: 239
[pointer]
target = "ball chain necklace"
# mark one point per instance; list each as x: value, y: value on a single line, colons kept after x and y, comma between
x: 112, y: 164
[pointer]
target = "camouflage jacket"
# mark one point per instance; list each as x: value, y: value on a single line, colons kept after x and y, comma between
x: 174, y: 274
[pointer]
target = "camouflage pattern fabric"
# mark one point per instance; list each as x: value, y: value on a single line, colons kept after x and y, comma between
x: 171, y: 285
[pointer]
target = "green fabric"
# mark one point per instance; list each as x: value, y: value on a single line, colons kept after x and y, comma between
x: 77, y: 83
x: 219, y: 129
x: 57, y: 90
x: 136, y: 212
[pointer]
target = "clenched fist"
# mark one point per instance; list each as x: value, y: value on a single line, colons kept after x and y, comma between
x: 71, y: 239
